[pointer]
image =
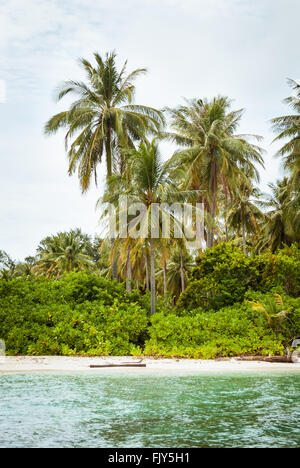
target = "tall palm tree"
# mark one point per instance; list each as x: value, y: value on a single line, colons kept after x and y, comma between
x: 212, y: 153
x: 150, y: 185
x: 102, y: 119
x: 288, y: 128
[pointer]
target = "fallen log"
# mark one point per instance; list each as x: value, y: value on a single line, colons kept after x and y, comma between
x: 97, y: 366
x: 278, y: 359
x: 265, y: 358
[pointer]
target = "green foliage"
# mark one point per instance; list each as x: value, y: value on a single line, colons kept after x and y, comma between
x: 224, y: 274
x: 231, y: 331
x: 79, y: 314
x: 85, y: 314
x: 288, y: 270
x: 283, y: 311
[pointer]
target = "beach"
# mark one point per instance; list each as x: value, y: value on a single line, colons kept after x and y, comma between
x: 82, y: 364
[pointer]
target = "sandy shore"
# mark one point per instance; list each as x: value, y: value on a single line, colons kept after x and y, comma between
x: 82, y: 364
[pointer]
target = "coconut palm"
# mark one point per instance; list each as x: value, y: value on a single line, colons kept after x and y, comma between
x: 212, y: 153
x: 288, y: 128
x: 245, y: 214
x: 150, y: 184
x: 7, y: 266
x: 102, y: 119
x: 63, y: 253
x: 279, y: 227
x: 179, y: 266
x: 165, y: 250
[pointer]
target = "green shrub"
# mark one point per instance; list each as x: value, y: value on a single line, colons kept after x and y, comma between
x: 288, y: 270
x: 224, y: 274
x: 87, y: 315
x: 290, y: 326
x: 231, y: 331
x: 40, y: 316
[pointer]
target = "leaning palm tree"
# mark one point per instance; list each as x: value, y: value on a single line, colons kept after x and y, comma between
x: 103, y: 118
x: 213, y: 155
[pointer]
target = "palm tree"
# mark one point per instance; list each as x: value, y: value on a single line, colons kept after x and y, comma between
x: 102, y: 118
x: 245, y: 214
x: 279, y: 228
x: 214, y: 155
x: 150, y: 184
x: 63, y: 253
x: 274, y: 310
x: 5, y: 260
x: 179, y: 266
x: 7, y: 266
x: 164, y: 250
x: 288, y: 127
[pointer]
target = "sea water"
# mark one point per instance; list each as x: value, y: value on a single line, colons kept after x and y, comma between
x: 149, y: 410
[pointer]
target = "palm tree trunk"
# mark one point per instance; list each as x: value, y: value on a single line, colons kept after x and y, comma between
x: 213, y: 208
x: 244, y: 239
x: 227, y: 207
x: 165, y: 280
x: 182, y: 273
x: 152, y: 277
x: 147, y: 271
x: 114, y: 263
x: 108, y: 174
x: 108, y: 153
x: 128, y: 272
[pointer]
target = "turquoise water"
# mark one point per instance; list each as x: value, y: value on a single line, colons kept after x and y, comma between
x: 119, y: 410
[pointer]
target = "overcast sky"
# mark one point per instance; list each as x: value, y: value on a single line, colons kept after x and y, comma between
x: 245, y: 49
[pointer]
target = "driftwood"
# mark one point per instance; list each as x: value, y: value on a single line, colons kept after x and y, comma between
x: 97, y: 366
x: 265, y: 358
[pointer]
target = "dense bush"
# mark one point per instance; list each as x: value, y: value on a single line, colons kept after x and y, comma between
x: 81, y: 313
x: 224, y: 274
x: 231, y: 331
x: 287, y: 271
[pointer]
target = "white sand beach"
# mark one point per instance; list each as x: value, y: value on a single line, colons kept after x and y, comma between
x: 82, y: 364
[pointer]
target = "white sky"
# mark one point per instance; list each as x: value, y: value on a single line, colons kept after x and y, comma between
x: 192, y: 48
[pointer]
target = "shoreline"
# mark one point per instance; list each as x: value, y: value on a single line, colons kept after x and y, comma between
x: 36, y: 364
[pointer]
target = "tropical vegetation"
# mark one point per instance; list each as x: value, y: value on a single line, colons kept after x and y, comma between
x: 135, y: 293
